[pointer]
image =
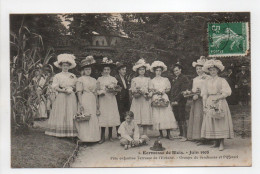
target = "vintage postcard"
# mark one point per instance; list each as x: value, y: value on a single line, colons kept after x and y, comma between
x: 92, y: 90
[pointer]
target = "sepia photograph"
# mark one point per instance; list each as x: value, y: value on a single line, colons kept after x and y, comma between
x: 139, y: 89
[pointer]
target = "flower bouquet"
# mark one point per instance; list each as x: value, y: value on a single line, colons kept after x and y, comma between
x: 215, y: 110
x: 113, y: 88
x: 82, y: 117
x: 188, y: 93
x: 137, y: 92
x: 160, y: 102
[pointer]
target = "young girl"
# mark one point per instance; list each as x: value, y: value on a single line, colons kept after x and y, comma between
x: 163, y: 117
x: 86, y: 87
x: 109, y: 115
x: 60, y: 123
x: 130, y: 132
x: 196, y: 112
x: 217, y: 122
x: 141, y: 103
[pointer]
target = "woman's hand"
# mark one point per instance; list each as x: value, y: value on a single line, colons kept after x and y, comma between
x: 195, y: 97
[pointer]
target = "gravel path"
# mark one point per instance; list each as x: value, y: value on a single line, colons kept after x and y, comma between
x: 111, y: 154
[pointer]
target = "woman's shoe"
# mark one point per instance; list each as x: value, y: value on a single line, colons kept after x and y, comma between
x: 126, y: 147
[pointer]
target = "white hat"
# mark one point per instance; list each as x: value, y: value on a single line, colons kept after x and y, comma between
x: 141, y: 63
x: 200, y: 61
x: 66, y: 58
x: 213, y: 63
x: 158, y: 64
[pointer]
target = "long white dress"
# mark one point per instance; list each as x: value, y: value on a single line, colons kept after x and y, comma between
x: 141, y: 107
x: 163, y: 117
x: 221, y: 126
x: 88, y: 131
x: 109, y: 115
x: 196, y: 111
x: 61, y: 123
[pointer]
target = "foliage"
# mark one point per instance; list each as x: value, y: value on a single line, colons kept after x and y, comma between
x: 27, y: 53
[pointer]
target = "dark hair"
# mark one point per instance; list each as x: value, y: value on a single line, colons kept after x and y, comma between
x: 65, y: 62
x: 178, y: 66
x: 155, y: 68
x: 123, y: 66
x: 130, y: 114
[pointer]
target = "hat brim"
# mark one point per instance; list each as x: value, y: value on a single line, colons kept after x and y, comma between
x: 147, y: 67
x: 72, y: 64
x: 102, y: 65
x: 93, y: 65
x: 155, y: 149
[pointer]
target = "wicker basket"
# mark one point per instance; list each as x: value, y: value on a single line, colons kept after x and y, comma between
x: 160, y: 104
x: 82, y: 117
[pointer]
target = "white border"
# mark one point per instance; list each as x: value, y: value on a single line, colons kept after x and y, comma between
x: 83, y: 6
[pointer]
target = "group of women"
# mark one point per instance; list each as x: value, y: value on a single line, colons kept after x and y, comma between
x: 209, y: 116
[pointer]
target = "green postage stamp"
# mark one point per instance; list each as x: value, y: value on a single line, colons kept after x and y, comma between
x: 228, y: 39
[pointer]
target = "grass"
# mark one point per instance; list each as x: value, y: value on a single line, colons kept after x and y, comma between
x: 37, y: 150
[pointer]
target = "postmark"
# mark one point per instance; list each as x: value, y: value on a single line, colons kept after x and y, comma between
x: 228, y: 39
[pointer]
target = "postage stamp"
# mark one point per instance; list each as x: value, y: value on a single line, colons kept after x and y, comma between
x: 228, y: 39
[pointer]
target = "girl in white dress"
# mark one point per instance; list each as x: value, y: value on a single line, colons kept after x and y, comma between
x: 141, y: 105
x: 196, y: 111
x: 86, y: 87
x: 109, y: 115
x: 163, y: 117
x: 61, y: 123
x: 217, y: 123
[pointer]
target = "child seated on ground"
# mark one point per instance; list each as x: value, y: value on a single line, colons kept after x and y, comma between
x: 129, y: 131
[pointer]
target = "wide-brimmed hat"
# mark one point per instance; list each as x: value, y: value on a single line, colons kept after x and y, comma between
x: 120, y: 65
x: 157, y: 146
x: 65, y: 58
x: 106, y: 62
x: 213, y: 63
x: 200, y: 61
x: 158, y: 64
x: 89, y: 61
x: 141, y: 63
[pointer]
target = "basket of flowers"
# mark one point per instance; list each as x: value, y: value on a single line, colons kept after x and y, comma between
x: 160, y: 102
x: 113, y: 88
x: 82, y: 117
x: 215, y: 110
x: 188, y: 93
x: 137, y: 92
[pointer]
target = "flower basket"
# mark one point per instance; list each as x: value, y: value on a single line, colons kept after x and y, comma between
x: 188, y: 93
x: 160, y: 103
x: 215, y: 110
x: 113, y: 88
x: 82, y: 117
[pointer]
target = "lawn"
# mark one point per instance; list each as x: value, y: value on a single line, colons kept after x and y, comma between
x: 37, y: 150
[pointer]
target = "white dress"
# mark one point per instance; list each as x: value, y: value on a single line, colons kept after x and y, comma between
x: 61, y: 123
x: 215, y: 126
x: 88, y: 131
x: 163, y: 117
x: 141, y: 107
x: 109, y: 115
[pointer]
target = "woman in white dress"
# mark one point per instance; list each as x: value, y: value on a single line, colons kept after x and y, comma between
x: 163, y: 117
x: 86, y: 87
x: 196, y: 111
x: 109, y: 115
x: 141, y: 104
x: 217, y: 122
x: 61, y: 123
